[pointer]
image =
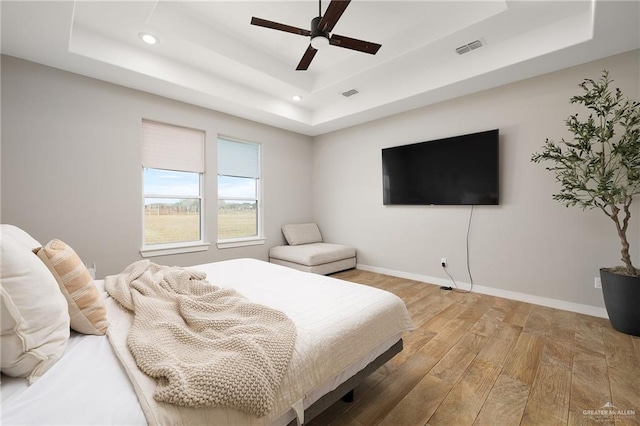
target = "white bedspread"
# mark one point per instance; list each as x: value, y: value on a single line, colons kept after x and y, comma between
x: 338, y: 324
x: 88, y: 386
x: 205, y: 345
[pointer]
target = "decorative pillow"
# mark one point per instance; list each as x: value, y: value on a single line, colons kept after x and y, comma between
x: 35, y: 320
x: 302, y: 233
x: 86, y: 308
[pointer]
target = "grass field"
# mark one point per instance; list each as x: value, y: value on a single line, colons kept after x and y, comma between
x: 237, y: 223
x: 161, y: 229
x: 170, y: 228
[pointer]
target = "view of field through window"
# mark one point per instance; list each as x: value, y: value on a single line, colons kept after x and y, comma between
x: 172, y: 206
x: 237, y: 220
x: 177, y: 219
x: 237, y: 207
x: 171, y: 222
x: 164, y: 224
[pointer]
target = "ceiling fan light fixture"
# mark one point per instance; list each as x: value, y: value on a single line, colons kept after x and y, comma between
x: 319, y: 42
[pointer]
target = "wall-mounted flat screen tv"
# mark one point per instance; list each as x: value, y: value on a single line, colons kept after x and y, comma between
x: 460, y: 170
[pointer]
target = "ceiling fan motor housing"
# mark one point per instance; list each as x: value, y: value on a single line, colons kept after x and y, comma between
x: 315, y: 29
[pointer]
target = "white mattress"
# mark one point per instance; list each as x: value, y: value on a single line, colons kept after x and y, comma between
x: 89, y: 385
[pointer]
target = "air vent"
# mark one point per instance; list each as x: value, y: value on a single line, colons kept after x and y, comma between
x: 463, y: 49
x: 475, y: 44
x: 469, y: 47
x: 350, y: 93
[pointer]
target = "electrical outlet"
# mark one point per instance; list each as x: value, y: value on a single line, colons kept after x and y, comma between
x: 443, y: 261
x: 92, y: 269
x: 597, y: 283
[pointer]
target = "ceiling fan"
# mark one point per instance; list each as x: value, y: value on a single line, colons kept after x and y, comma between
x: 321, y: 27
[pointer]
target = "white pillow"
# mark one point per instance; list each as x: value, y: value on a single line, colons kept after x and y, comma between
x: 302, y: 233
x: 20, y: 236
x: 34, y: 314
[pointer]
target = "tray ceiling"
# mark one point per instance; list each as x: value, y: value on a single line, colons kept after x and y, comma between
x: 209, y: 55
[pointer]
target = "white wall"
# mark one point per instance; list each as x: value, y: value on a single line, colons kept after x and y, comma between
x: 71, y: 170
x: 71, y: 165
x: 529, y: 244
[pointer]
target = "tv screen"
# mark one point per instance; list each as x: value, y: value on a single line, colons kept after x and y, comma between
x: 460, y: 170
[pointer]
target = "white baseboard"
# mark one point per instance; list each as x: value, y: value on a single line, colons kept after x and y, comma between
x: 522, y: 297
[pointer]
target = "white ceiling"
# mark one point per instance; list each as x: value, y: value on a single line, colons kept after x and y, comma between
x: 209, y: 54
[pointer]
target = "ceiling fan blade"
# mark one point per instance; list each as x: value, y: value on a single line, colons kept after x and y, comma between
x: 278, y: 26
x: 354, y: 44
x: 306, y: 59
x: 334, y: 12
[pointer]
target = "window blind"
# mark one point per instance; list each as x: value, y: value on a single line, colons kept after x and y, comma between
x: 239, y: 159
x: 172, y: 148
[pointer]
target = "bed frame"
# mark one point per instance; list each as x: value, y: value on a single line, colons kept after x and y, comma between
x: 345, y: 390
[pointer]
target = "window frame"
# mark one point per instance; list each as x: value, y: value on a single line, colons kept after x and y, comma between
x: 150, y: 250
x: 252, y: 240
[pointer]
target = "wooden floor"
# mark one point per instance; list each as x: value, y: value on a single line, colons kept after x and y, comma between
x: 483, y: 360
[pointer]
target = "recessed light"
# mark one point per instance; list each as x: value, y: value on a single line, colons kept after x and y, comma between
x: 296, y: 98
x: 148, y: 38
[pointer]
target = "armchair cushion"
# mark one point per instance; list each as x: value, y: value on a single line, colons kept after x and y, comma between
x: 313, y: 254
x: 301, y: 233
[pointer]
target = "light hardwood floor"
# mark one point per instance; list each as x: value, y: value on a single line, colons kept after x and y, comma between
x: 482, y: 360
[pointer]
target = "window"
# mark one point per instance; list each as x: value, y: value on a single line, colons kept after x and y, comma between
x: 173, y: 169
x: 239, y: 214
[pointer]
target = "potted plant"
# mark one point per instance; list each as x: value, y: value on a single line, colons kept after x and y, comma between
x: 600, y: 168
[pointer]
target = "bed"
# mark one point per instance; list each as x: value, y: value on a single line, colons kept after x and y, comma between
x: 344, y: 332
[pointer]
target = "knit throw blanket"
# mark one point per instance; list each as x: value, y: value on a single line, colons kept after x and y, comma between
x: 204, y: 345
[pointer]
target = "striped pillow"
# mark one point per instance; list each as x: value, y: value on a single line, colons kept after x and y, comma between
x: 86, y: 309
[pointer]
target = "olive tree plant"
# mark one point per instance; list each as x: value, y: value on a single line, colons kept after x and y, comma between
x: 600, y: 166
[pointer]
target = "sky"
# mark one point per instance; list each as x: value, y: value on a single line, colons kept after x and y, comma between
x: 179, y: 184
